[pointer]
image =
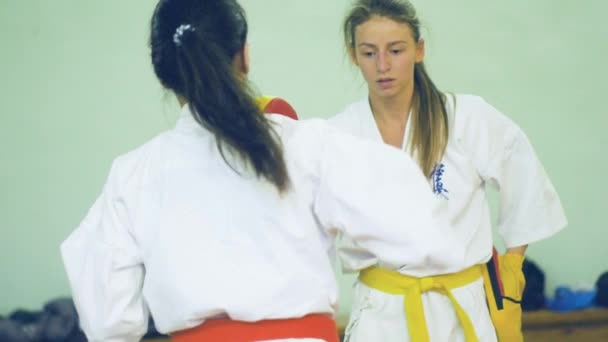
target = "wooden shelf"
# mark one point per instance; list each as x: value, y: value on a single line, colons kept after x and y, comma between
x: 543, y: 318
x: 580, y: 326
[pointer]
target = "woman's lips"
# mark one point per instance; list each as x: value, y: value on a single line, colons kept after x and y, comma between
x: 385, y: 83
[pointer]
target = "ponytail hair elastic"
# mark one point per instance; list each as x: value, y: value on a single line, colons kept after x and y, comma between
x: 179, y: 33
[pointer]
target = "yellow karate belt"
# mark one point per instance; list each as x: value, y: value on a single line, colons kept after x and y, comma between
x: 412, y: 288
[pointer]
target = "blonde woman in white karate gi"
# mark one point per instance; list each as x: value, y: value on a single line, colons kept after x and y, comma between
x: 221, y: 227
x: 462, y: 144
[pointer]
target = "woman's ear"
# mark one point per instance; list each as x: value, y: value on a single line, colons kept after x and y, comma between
x: 246, y: 59
x: 353, y: 56
x: 420, y: 51
x: 241, y: 60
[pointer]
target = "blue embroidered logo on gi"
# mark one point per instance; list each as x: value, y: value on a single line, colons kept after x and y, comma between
x: 437, y: 179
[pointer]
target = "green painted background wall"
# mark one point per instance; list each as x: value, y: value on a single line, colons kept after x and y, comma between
x: 77, y: 89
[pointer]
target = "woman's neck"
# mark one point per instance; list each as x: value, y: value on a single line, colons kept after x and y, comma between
x: 391, y: 110
x: 391, y: 115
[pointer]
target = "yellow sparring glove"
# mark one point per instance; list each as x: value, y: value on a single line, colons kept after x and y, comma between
x: 504, y: 283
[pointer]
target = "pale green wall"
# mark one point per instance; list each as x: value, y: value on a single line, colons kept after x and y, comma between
x: 77, y: 90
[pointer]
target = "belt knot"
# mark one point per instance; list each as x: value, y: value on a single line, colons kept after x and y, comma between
x: 428, y: 284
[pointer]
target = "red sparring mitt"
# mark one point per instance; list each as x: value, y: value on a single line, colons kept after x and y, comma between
x: 276, y: 105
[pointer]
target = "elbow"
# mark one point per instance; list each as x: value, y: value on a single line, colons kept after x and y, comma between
x: 107, y: 333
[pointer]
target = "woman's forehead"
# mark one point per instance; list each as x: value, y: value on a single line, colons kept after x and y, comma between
x: 382, y: 29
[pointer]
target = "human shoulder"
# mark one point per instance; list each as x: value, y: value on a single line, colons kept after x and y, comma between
x: 468, y: 106
x: 139, y: 163
x: 482, y: 132
x: 473, y: 115
x: 288, y: 128
x: 348, y: 118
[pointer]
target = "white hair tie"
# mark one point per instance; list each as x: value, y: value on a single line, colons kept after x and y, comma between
x: 179, y: 33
